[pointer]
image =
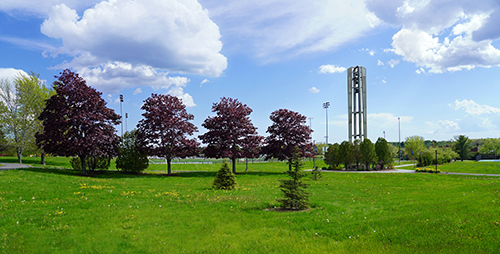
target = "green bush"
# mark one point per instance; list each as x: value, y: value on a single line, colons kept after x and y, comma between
x: 92, y: 163
x: 428, y: 170
x: 225, y: 179
x: 130, y: 158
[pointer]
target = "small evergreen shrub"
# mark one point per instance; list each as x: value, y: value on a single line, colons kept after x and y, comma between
x: 225, y: 179
x: 294, y: 189
x: 316, y: 174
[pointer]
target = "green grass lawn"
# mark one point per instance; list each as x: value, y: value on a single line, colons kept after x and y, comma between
x: 468, y: 167
x: 45, y: 210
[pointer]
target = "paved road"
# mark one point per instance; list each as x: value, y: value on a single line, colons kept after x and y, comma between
x: 13, y: 166
x: 409, y: 171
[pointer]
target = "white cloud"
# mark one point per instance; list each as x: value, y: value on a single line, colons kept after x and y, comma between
x: 274, y: 30
x: 314, y: 90
x: 10, y: 73
x: 204, y: 82
x: 459, y: 38
x: 386, y: 119
x: 460, y: 53
x: 380, y: 63
x: 328, y: 68
x: 178, y: 92
x: 442, y: 127
x: 371, y: 52
x: 41, y: 8
x: 393, y: 63
x: 174, y: 35
x: 473, y: 108
x: 137, y: 91
x: 113, y: 77
x: 420, y: 71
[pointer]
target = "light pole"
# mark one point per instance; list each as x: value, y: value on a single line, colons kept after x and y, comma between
x: 325, y: 106
x: 121, y: 112
x: 399, y: 130
x: 126, y: 116
x: 310, y: 126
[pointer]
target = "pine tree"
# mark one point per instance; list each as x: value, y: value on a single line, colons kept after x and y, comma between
x: 294, y: 189
x: 316, y: 174
x: 225, y: 179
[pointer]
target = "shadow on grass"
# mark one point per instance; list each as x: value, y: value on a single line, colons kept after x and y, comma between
x: 260, y: 173
x: 121, y: 175
x: 115, y: 174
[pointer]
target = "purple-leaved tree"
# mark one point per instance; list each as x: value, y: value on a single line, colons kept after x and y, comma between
x: 165, y: 129
x: 230, y: 133
x: 76, y: 121
x: 288, y: 130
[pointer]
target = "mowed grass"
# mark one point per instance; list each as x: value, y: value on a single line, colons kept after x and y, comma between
x: 472, y: 167
x: 45, y: 210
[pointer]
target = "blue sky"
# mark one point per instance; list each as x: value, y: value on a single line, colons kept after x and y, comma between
x: 438, y: 73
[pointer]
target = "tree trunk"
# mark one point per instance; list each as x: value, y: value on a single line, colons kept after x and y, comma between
x: 233, y: 159
x: 84, y: 169
x: 19, y: 154
x: 290, y: 165
x: 42, y: 159
x: 169, y: 166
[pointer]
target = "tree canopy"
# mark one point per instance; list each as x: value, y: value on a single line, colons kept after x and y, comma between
x: 21, y: 102
x: 289, y: 130
x: 414, y: 145
x: 491, y: 146
x: 166, y: 128
x: 368, y: 155
x: 462, y: 146
x: 231, y: 133
x: 76, y: 121
x: 345, y: 154
x: 383, y: 152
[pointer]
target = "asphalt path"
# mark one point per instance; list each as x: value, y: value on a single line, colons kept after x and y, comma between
x: 407, y: 171
x: 13, y: 166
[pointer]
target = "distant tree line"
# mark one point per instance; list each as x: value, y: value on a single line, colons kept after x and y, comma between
x: 359, y: 155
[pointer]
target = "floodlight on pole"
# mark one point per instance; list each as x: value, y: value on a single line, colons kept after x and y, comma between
x: 310, y: 125
x: 399, y: 130
x: 126, y: 116
x: 325, y: 106
x: 121, y: 112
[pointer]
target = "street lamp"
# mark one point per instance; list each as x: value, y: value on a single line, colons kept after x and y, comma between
x: 399, y: 129
x: 121, y: 112
x: 325, y: 106
x: 310, y: 125
x: 126, y: 116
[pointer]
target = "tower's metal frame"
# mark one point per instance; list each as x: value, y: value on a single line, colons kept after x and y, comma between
x: 356, y: 89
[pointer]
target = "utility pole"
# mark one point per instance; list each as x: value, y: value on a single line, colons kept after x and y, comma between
x: 325, y: 106
x: 126, y: 116
x: 310, y: 126
x: 399, y: 144
x: 121, y: 112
